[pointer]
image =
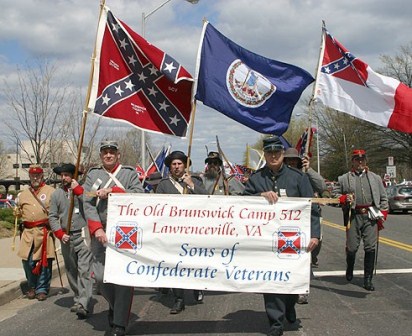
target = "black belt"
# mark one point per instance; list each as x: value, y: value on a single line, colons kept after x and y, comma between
x: 76, y: 231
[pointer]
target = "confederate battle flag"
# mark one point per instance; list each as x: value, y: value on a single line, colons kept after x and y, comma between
x: 136, y: 82
x: 126, y: 237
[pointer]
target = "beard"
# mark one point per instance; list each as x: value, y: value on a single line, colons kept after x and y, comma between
x: 66, y: 184
x: 212, y: 173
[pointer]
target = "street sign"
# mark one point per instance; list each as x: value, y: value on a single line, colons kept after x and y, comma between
x: 391, y: 171
x: 390, y: 160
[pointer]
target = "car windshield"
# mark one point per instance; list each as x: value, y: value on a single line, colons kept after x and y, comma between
x: 405, y: 191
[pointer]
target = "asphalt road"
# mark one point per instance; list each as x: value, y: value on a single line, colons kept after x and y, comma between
x: 335, y: 306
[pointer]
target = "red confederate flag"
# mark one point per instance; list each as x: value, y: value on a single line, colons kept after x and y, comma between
x: 136, y: 82
x: 126, y: 237
x: 289, y: 242
x: 301, y: 145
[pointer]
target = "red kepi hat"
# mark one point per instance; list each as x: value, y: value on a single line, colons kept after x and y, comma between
x: 360, y: 153
x: 35, y: 169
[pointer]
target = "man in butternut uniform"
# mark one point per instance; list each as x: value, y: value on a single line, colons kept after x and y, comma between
x: 36, y: 245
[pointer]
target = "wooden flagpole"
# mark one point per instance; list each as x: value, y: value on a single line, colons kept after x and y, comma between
x: 314, y: 89
x: 225, y: 178
x: 84, y: 121
x: 194, y: 88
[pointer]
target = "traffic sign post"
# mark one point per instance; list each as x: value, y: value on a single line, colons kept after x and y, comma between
x: 391, y: 171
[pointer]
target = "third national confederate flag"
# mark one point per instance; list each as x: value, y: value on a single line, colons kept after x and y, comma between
x: 348, y: 84
x: 138, y: 83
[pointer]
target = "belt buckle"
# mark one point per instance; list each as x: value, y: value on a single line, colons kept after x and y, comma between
x: 363, y: 210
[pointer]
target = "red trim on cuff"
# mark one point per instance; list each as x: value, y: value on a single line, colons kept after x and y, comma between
x: 94, y: 226
x: 59, y: 234
x: 117, y: 189
x: 78, y: 190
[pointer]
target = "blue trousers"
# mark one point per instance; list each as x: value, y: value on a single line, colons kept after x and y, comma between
x: 41, y: 283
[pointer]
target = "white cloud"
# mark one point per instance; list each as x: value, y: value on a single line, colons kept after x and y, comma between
x: 289, y: 31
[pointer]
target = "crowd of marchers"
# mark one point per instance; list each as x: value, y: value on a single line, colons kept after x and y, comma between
x: 76, y: 215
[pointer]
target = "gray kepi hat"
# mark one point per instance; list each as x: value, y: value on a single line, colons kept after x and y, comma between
x: 272, y: 144
x: 109, y: 144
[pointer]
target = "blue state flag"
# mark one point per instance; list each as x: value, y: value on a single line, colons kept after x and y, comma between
x: 257, y: 92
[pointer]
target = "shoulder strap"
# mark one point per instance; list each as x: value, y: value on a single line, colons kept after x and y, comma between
x: 113, y: 178
x: 40, y: 202
x: 176, y: 185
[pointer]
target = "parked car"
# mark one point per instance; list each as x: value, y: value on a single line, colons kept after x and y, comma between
x: 400, y: 198
x: 5, y: 203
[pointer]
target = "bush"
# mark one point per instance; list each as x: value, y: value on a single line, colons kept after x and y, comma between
x: 6, y: 215
x: 6, y: 225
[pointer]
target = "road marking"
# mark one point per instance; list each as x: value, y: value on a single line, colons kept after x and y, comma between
x: 383, y: 240
x: 386, y: 271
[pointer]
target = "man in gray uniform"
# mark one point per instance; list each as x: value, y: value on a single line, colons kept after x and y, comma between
x: 111, y: 177
x: 180, y: 182
x: 214, y: 180
x: 293, y: 160
x: 77, y: 255
x: 275, y: 180
x: 365, y: 208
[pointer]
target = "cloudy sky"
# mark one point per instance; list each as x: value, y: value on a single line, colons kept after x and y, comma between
x: 288, y: 31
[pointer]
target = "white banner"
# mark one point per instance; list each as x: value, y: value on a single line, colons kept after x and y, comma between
x: 235, y: 243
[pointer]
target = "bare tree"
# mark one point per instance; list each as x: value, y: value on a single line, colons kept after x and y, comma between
x: 70, y: 132
x: 37, y: 103
x: 3, y: 160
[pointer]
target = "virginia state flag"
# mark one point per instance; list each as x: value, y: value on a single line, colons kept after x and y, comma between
x: 134, y: 81
x: 346, y: 83
x: 257, y: 92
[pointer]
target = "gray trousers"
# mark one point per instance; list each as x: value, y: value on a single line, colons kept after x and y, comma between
x: 361, y: 228
x: 277, y: 306
x: 119, y: 297
x: 77, y: 262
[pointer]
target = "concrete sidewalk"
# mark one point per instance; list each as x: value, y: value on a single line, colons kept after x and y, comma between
x: 12, y: 273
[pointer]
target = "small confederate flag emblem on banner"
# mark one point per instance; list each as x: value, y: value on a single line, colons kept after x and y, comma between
x: 126, y: 237
x: 288, y: 242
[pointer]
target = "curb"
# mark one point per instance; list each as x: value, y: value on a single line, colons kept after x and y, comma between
x: 14, y: 290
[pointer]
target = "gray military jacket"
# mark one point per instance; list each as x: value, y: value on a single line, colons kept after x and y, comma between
x: 317, y: 181
x: 59, y: 211
x: 166, y: 187
x: 97, y: 178
x: 380, y: 199
x: 235, y: 186
x: 295, y: 182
